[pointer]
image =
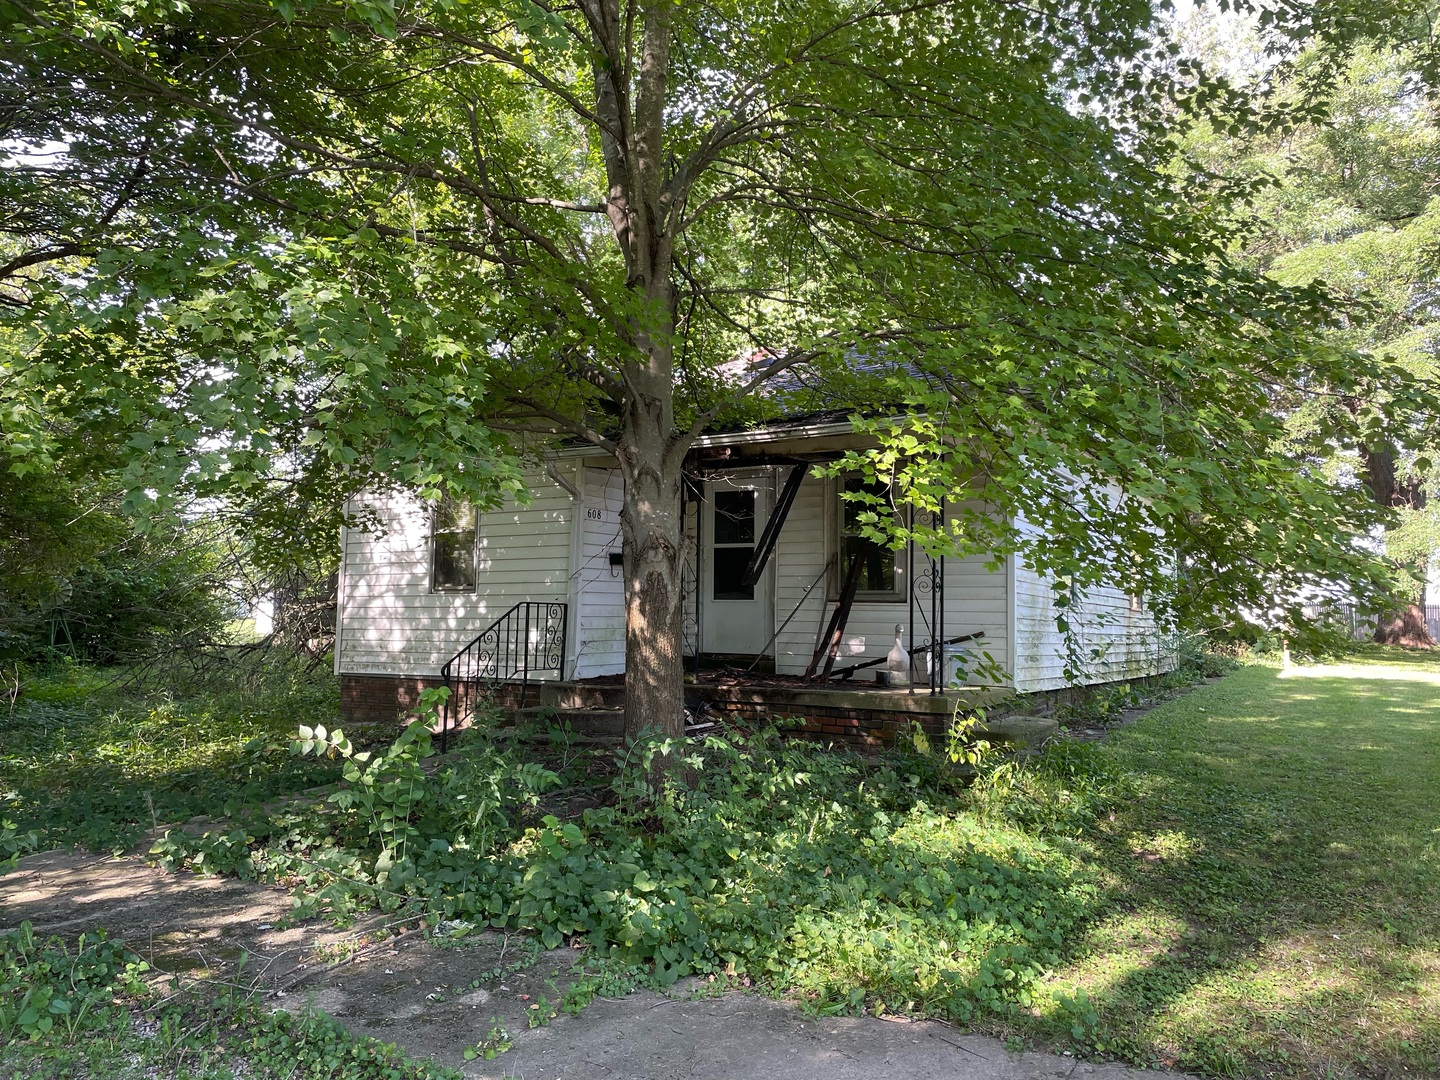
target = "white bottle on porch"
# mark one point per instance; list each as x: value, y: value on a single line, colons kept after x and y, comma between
x: 897, y: 660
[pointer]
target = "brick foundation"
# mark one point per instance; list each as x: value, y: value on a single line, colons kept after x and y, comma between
x: 391, y: 699
x: 862, y: 718
x: 380, y: 699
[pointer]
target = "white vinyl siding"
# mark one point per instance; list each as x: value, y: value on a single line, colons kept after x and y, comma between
x: 1109, y: 641
x: 393, y: 623
x: 600, y: 596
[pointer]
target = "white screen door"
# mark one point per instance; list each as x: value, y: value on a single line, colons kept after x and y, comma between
x: 736, y: 617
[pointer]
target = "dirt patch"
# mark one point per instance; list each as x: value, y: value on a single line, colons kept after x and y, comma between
x: 1095, y: 730
x: 181, y: 924
x: 436, y: 998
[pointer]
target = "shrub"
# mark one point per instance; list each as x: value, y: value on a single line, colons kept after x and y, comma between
x: 1201, y: 658
x: 859, y: 881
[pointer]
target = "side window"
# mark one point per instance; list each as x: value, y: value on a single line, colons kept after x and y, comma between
x: 452, y: 547
x: 882, y: 573
x: 734, y: 543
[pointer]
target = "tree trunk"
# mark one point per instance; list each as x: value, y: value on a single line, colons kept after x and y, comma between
x: 631, y: 88
x: 1406, y: 627
x: 651, y: 528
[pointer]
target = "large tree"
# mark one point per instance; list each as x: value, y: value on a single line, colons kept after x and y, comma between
x: 1358, y: 210
x: 1352, y: 205
x: 309, y: 250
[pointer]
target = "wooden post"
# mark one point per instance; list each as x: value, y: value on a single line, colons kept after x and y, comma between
x: 830, y: 647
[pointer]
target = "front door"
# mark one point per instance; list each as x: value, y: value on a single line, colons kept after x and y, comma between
x: 735, y: 617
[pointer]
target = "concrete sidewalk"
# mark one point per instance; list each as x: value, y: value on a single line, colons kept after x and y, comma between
x: 438, y: 1000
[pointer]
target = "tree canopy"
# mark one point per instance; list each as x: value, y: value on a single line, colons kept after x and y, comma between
x: 1351, y: 207
x: 291, y: 252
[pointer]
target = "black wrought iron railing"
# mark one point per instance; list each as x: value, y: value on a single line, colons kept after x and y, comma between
x: 527, y: 640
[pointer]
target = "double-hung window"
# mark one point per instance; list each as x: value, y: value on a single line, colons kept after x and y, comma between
x: 452, y: 546
x: 882, y: 569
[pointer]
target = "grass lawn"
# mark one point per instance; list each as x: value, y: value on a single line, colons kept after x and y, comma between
x: 1275, y: 878
x: 1244, y: 882
x: 89, y: 761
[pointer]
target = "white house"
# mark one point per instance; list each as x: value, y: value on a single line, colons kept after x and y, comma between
x: 415, y: 593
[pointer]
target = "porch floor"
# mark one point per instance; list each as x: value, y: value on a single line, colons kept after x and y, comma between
x: 854, y: 712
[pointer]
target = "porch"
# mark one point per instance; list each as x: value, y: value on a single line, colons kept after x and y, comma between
x: 858, y: 715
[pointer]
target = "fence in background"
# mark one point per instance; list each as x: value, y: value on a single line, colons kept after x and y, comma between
x: 1362, y: 627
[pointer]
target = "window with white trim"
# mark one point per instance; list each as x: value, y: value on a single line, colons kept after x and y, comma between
x: 882, y: 569
x: 452, y: 546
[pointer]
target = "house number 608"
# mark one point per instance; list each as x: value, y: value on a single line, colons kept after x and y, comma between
x: 594, y: 515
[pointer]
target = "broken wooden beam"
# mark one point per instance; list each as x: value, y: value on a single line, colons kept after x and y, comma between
x: 830, y: 647
x: 846, y: 672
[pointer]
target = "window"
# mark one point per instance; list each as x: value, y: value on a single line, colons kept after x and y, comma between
x: 882, y: 573
x: 452, y: 547
x: 734, y: 544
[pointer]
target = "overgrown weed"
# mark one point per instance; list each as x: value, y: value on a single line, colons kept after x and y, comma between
x: 91, y: 760
x: 860, y: 882
x: 1102, y: 705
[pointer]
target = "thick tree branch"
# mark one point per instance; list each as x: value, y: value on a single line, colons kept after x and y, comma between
x: 565, y: 423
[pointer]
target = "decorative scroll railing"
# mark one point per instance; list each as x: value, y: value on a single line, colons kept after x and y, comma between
x: 527, y: 640
x: 927, y: 573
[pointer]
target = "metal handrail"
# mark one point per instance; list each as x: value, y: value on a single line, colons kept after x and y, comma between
x: 529, y: 639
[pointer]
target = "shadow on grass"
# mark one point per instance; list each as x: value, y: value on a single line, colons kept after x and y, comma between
x: 81, y: 776
x: 1275, y: 887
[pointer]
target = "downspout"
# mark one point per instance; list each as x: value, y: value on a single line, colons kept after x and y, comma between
x: 341, y: 582
x: 577, y: 551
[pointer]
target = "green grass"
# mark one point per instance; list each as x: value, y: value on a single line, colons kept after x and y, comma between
x: 84, y: 1011
x: 86, y: 761
x: 1244, y: 882
x: 1273, y: 885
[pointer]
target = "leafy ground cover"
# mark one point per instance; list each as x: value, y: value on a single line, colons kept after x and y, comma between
x: 1246, y: 881
x: 89, y: 760
x: 1273, y: 883
x: 85, y: 1009
x: 854, y: 881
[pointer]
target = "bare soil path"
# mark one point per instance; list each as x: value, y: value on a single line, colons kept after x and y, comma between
x: 436, y: 1000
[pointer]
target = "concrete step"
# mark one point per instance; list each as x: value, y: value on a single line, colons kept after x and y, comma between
x: 588, y: 721
x: 1023, y: 732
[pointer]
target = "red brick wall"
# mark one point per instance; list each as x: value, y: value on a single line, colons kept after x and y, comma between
x: 387, y: 699
x: 380, y: 699
x: 870, y: 729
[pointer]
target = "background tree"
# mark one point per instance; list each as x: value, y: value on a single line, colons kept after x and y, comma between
x: 1360, y: 212
x: 77, y: 580
x: 332, y: 248
x: 1353, y: 206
